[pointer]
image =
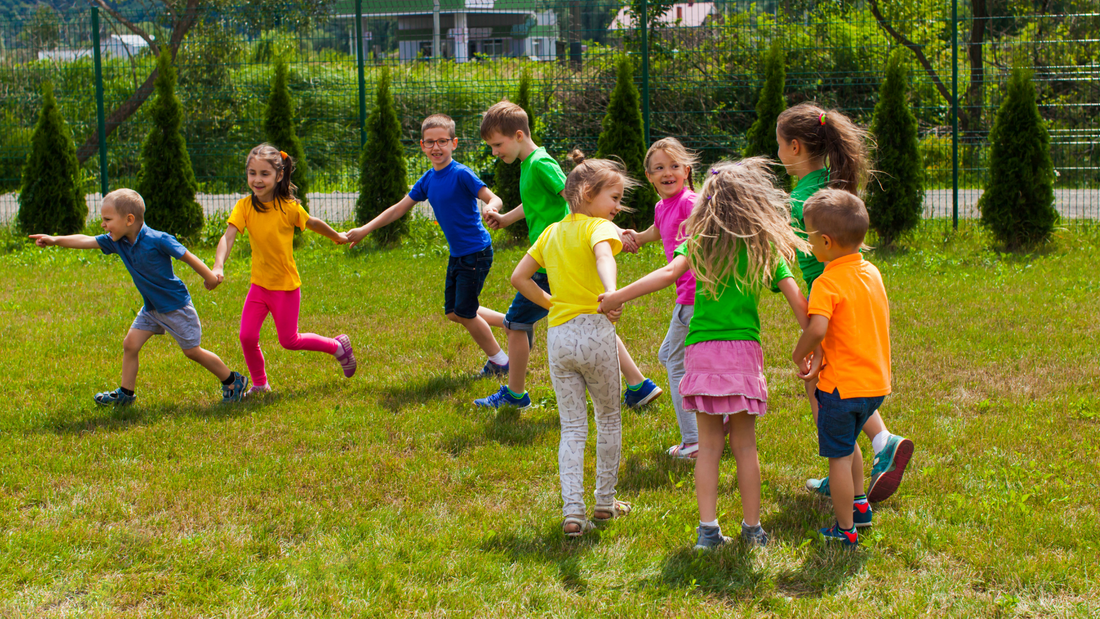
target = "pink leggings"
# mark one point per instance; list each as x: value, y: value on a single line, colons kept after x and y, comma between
x: 283, y: 306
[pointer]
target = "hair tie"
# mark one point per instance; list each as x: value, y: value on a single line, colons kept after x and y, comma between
x: 822, y: 118
x: 713, y: 171
x: 707, y: 198
x: 286, y: 155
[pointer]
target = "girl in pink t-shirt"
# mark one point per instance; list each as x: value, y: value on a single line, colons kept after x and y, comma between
x: 668, y: 166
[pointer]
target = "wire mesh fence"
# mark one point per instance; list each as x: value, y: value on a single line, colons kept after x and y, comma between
x: 699, y: 68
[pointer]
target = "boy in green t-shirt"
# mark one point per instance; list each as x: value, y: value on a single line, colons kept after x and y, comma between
x: 505, y: 127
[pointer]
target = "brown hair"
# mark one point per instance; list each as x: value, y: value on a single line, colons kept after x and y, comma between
x: 676, y: 151
x: 739, y: 204
x: 832, y: 135
x: 838, y: 214
x: 438, y: 121
x: 505, y: 118
x: 126, y: 202
x: 590, y: 176
x: 281, y: 162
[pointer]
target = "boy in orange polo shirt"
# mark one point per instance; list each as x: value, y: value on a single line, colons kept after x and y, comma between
x: 850, y: 319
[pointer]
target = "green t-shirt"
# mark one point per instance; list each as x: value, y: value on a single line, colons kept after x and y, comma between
x: 540, y: 183
x: 808, y: 186
x: 733, y: 315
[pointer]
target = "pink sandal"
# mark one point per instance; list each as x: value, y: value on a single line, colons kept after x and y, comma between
x: 347, y: 359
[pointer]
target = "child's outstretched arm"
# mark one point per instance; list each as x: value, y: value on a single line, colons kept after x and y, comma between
x: 319, y: 226
x: 521, y: 280
x: 650, y: 235
x: 385, y: 218
x: 492, y: 201
x: 209, y: 280
x: 496, y: 220
x: 661, y: 278
x: 225, y: 245
x: 71, y: 241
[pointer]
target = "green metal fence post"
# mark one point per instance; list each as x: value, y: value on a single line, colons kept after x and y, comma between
x: 955, y: 114
x: 645, y: 70
x: 362, y: 80
x: 101, y: 121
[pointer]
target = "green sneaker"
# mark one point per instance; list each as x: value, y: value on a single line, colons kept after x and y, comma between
x: 820, y: 486
x: 888, y: 468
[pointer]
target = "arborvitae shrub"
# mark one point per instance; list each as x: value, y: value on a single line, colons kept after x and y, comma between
x: 280, y: 128
x: 623, y: 136
x: 382, y: 171
x: 51, y: 199
x: 1018, y: 202
x: 895, y: 197
x: 760, y: 138
x: 507, y: 174
x: 166, y: 180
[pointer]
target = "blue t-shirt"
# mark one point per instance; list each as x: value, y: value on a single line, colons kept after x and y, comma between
x: 149, y: 260
x: 452, y: 192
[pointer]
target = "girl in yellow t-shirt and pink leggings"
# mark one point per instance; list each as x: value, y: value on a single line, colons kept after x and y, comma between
x: 270, y: 215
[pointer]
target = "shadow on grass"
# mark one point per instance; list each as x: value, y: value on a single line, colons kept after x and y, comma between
x: 654, y: 469
x: 113, y: 419
x: 424, y: 390
x: 551, y: 547
x: 726, y: 572
x: 507, y: 426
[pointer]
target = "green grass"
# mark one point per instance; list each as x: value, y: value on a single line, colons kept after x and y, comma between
x: 392, y: 495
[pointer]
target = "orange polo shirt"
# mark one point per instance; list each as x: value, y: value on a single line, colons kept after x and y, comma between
x: 857, y: 345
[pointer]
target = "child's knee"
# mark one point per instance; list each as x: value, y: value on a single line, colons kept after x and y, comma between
x: 453, y: 317
x: 131, y: 345
x: 289, y: 342
x: 193, y: 353
x: 250, y: 340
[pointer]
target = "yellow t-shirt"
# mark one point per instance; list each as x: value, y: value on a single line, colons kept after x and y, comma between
x: 272, y: 236
x: 566, y: 250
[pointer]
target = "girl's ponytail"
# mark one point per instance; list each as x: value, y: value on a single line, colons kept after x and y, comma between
x: 833, y: 136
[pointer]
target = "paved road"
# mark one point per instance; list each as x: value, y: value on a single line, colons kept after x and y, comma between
x: 340, y: 207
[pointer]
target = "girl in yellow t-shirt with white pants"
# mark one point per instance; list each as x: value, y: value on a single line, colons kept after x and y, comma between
x: 578, y: 254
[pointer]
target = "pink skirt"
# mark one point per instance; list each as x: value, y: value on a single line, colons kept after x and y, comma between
x: 725, y: 377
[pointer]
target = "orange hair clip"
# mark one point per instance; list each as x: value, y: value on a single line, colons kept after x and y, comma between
x: 283, y: 153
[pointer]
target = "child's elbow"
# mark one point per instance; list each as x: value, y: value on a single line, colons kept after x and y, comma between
x: 516, y: 279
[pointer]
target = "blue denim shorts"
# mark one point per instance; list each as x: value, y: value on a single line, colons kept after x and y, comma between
x: 524, y: 313
x: 840, y: 420
x: 465, y: 279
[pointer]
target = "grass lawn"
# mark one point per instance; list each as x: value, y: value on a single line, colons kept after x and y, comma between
x: 390, y: 494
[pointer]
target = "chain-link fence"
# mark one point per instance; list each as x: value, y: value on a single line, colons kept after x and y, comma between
x: 699, y: 68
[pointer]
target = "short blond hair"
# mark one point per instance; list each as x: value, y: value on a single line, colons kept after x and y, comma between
x: 505, y: 118
x: 438, y: 121
x: 126, y: 202
x: 839, y: 214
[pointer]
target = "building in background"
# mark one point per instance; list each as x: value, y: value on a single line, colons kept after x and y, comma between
x: 680, y: 15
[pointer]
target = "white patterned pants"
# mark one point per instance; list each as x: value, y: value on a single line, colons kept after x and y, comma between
x: 583, y: 354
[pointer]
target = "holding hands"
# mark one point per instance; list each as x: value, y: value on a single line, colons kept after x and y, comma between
x: 353, y: 236
x: 630, y: 241
x: 611, y: 305
x: 493, y: 219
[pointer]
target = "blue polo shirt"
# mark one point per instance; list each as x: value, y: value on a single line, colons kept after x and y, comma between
x: 452, y: 192
x: 149, y: 260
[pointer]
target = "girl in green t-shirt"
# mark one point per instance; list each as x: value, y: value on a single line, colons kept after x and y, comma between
x: 739, y: 214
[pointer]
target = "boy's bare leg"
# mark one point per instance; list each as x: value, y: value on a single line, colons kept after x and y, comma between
x: 479, y: 330
x: 519, y: 352
x: 874, y: 425
x: 842, y: 482
x: 492, y: 317
x: 630, y: 370
x: 208, y: 360
x: 131, y: 346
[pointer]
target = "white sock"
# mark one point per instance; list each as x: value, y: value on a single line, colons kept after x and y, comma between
x: 500, y: 358
x: 339, y: 349
x: 746, y: 525
x: 879, y: 441
x: 712, y: 523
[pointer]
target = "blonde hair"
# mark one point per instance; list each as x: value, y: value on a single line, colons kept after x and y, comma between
x: 438, y: 121
x: 832, y: 135
x: 280, y: 162
x: 505, y: 118
x: 838, y: 214
x: 590, y: 176
x: 126, y: 202
x: 739, y: 204
x: 678, y: 153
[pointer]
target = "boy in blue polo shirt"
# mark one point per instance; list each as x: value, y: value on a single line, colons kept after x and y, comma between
x: 453, y: 191
x: 148, y: 254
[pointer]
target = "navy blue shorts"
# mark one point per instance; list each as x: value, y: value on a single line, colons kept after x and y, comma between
x: 840, y: 420
x: 524, y: 313
x: 465, y: 279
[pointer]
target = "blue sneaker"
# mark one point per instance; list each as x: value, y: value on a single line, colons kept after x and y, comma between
x: 820, y: 486
x: 754, y: 536
x: 888, y: 468
x: 504, y: 398
x: 836, y: 534
x: 710, y: 538
x: 114, y: 398
x: 637, y: 398
x: 493, y: 370
x: 235, y: 391
x: 861, y: 515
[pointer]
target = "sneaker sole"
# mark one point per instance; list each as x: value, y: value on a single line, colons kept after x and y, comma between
x: 887, y: 484
x: 350, y: 365
x: 653, y: 395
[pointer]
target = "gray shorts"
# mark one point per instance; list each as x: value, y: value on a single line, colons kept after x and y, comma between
x: 183, y: 324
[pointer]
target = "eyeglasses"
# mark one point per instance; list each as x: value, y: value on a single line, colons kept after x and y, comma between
x: 434, y: 143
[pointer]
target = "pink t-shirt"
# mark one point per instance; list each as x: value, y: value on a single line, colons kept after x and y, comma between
x: 669, y: 214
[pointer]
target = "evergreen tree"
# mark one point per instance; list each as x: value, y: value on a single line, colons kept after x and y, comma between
x: 895, y: 197
x: 382, y: 181
x: 51, y: 199
x: 1018, y: 202
x: 623, y: 136
x: 279, y: 126
x: 166, y: 180
x: 760, y: 138
x: 507, y: 174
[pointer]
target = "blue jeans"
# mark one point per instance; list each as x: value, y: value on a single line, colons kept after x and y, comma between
x: 840, y: 420
x: 524, y: 313
x: 465, y: 279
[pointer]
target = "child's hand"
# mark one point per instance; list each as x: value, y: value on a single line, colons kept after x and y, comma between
x: 43, y: 240
x: 219, y: 273
x: 341, y: 238
x: 630, y: 241
x: 213, y: 282
x: 816, y: 360
x: 608, y: 304
x: 615, y: 314
x: 493, y: 219
x: 352, y: 237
